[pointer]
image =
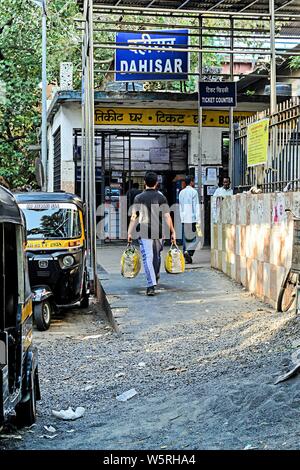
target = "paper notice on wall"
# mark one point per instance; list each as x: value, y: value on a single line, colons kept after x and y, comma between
x: 278, y: 212
x: 211, y: 176
x: 257, y: 142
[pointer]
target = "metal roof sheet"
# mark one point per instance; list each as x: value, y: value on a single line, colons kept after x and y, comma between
x: 283, y: 7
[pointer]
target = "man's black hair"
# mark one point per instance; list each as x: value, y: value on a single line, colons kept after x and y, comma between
x: 150, y: 179
x: 188, y: 180
x: 136, y: 185
x: 227, y: 178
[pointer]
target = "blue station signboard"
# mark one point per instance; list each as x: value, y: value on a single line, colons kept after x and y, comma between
x: 150, y: 56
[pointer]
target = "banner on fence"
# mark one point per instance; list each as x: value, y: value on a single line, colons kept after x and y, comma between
x: 257, y: 142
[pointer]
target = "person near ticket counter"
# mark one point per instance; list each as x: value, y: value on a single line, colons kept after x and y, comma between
x: 225, y: 190
x: 190, y: 216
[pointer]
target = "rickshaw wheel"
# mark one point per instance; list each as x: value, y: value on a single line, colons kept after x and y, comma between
x: 26, y: 411
x: 42, y: 315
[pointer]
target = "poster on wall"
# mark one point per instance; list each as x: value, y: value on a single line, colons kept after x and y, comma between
x: 211, y: 176
x: 257, y: 142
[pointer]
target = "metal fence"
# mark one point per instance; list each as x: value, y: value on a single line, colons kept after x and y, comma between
x: 282, y: 171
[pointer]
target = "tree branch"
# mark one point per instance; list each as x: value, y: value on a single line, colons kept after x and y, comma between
x: 11, y: 139
x: 8, y: 23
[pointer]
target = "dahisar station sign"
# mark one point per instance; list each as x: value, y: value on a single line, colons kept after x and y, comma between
x: 217, y: 94
x: 150, y: 56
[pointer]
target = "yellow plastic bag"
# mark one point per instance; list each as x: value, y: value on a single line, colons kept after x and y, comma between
x: 130, y: 262
x: 199, y: 230
x: 174, y: 262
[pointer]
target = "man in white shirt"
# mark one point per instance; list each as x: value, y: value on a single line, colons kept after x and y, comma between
x: 225, y: 190
x: 190, y: 216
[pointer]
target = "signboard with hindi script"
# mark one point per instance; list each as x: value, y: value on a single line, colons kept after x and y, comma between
x: 164, y: 117
x: 257, y: 142
x: 147, y: 56
x: 217, y: 94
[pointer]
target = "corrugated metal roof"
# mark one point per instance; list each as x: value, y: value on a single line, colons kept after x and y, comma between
x: 284, y: 7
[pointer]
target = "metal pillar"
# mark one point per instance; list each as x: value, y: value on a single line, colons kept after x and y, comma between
x: 273, y: 99
x: 92, y: 159
x: 200, y: 133
x: 231, y: 129
x: 89, y: 138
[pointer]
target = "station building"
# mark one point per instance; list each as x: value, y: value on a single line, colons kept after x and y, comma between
x: 140, y: 131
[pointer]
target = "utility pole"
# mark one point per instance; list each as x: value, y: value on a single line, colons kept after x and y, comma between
x: 273, y: 96
x: 44, y: 92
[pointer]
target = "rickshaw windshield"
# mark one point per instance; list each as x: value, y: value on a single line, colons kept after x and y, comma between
x: 51, y: 220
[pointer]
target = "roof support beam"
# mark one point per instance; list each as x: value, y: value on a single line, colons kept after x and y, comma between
x: 284, y: 5
x: 249, y: 6
x: 183, y: 5
x: 165, y: 11
x: 213, y: 7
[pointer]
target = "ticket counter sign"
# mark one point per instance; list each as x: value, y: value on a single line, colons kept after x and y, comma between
x: 151, y: 56
x: 217, y: 94
x: 257, y: 142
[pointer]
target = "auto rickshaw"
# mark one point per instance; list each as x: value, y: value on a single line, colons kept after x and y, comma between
x: 19, y: 381
x: 56, y: 252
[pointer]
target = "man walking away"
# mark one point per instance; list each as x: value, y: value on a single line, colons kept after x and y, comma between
x: 190, y: 216
x: 152, y: 212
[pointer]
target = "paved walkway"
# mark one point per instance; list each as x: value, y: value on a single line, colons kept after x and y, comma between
x: 178, y: 296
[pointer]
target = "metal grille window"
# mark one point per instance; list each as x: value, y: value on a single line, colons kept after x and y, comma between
x: 283, y: 168
x: 57, y: 161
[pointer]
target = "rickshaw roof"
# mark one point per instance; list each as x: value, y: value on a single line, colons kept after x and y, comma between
x: 9, y: 209
x: 49, y: 197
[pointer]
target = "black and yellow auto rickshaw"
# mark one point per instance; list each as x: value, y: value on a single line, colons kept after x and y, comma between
x: 19, y: 383
x: 56, y: 251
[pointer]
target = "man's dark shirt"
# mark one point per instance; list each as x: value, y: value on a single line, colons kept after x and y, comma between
x: 151, y: 205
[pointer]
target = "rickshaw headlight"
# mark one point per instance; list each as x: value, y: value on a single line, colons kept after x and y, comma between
x: 68, y: 261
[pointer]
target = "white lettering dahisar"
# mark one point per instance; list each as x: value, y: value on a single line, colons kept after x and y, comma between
x: 151, y: 66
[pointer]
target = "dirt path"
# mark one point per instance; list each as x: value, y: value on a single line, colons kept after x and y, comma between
x: 204, y: 380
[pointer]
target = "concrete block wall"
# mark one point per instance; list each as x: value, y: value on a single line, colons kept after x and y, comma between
x: 252, y: 240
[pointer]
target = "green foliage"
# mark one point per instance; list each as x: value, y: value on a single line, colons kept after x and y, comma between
x: 295, y: 63
x: 20, y: 75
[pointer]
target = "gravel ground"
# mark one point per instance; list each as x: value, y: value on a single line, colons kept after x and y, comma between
x: 206, y: 383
